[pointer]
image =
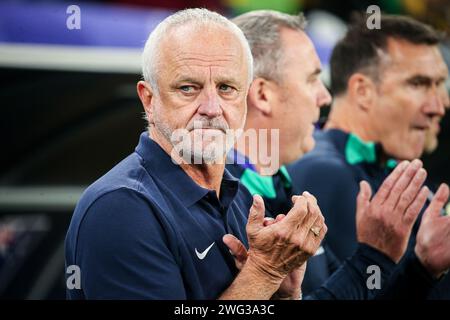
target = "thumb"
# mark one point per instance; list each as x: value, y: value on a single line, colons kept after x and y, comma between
x: 438, y: 202
x: 256, y: 214
x: 236, y: 247
x: 363, y: 198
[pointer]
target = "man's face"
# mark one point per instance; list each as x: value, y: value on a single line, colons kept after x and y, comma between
x: 408, y: 97
x: 300, y: 95
x: 203, y: 82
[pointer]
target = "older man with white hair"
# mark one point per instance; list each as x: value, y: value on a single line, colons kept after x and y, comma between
x: 152, y: 227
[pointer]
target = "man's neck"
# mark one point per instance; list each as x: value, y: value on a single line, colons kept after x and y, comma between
x: 208, y: 176
x: 347, y: 121
x: 343, y: 118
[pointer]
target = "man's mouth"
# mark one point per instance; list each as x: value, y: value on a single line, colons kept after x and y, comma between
x: 435, y: 127
x: 205, y: 129
x: 421, y: 127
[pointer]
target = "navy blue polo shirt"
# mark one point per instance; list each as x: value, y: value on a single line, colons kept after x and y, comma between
x: 146, y: 230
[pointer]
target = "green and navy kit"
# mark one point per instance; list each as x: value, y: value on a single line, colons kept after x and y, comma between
x: 332, y: 172
x: 276, y: 190
x: 319, y: 281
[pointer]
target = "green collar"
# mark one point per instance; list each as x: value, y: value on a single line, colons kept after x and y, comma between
x: 263, y: 185
x: 357, y: 151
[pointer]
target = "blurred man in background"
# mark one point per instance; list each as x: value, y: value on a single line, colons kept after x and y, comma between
x: 286, y: 95
x: 388, y: 86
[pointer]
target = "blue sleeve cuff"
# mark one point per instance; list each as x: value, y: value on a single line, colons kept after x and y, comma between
x: 350, y: 281
x: 410, y: 280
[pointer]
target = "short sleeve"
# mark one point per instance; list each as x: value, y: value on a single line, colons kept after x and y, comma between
x: 123, y: 251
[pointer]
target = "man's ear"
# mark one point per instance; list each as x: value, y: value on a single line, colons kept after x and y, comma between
x: 362, y: 90
x: 261, y: 95
x: 145, y: 93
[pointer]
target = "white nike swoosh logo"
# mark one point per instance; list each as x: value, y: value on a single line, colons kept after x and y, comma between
x: 203, y: 254
x: 319, y: 251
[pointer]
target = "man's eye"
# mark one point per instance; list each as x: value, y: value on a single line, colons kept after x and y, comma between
x: 187, y: 89
x: 225, y: 88
x: 416, y: 83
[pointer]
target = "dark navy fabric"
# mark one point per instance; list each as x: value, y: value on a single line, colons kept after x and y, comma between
x: 141, y: 230
x: 146, y: 230
x: 327, y: 174
x: 323, y: 279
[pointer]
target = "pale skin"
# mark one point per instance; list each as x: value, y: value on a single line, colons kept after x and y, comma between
x: 397, y: 112
x: 290, y: 287
x: 275, y: 105
x: 431, y: 140
x: 433, y: 238
x: 200, y: 83
x: 385, y: 221
x: 205, y: 76
x: 264, y: 239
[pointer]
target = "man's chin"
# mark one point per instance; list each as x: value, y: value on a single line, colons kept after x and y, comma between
x: 431, y: 146
x: 305, y: 147
x: 308, y: 144
x: 206, y: 154
x: 409, y: 154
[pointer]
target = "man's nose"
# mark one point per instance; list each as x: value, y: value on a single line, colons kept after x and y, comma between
x: 435, y: 105
x: 324, y: 98
x: 210, y: 104
x: 445, y: 97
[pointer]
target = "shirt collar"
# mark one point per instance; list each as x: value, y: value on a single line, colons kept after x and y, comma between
x: 235, y: 157
x: 160, y: 164
x: 357, y: 151
x: 253, y: 181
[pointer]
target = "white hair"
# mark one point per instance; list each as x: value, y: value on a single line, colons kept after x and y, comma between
x: 197, y: 17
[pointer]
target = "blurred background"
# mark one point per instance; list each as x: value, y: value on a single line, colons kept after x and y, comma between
x: 69, y: 109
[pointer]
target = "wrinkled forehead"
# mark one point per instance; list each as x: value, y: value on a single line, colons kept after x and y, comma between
x: 203, y: 46
x: 406, y: 58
